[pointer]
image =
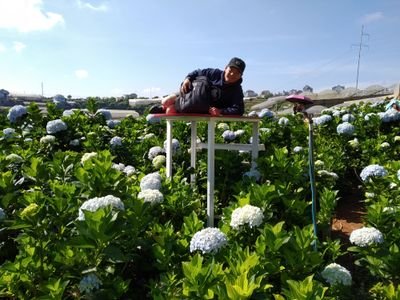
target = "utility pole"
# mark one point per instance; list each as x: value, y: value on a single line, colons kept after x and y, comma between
x: 42, y: 89
x: 360, y: 45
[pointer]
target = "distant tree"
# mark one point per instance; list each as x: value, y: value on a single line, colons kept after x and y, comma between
x: 266, y: 94
x: 250, y: 93
x: 131, y: 96
x: 294, y: 92
x: 69, y: 97
x: 307, y: 89
x: 338, y: 88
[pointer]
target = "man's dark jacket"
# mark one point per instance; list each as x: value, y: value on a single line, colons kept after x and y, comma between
x: 230, y: 101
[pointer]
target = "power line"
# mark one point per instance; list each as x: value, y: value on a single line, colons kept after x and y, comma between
x: 360, y: 45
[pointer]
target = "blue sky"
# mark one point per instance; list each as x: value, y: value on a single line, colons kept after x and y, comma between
x: 110, y: 48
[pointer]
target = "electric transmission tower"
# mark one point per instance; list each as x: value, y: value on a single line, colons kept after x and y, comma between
x: 360, y: 45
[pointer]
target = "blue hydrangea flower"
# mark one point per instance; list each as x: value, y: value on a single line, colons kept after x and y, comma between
x: 345, y: 129
x: 8, y: 132
x: 321, y: 120
x: 2, y: 214
x: 105, y: 113
x: 228, y: 135
x: 55, y: 126
x: 175, y: 146
x: 151, y: 181
x: 391, y: 115
x: 16, y: 112
x: 265, y: 113
x: 154, y: 151
x: 112, y: 123
x: 151, y: 119
x: 89, y: 283
x: 116, y: 141
x: 373, y: 171
x: 348, y: 118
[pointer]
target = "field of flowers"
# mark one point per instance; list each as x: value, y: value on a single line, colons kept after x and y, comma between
x: 86, y: 211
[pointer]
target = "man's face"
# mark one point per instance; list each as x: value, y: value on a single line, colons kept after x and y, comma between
x: 232, y: 74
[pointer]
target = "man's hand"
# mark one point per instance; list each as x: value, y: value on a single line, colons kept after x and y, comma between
x: 214, y: 111
x: 186, y: 86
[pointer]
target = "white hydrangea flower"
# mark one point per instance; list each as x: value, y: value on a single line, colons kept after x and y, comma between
x: 297, y: 149
x: 398, y: 174
x: 14, y: 158
x: 154, y: 151
x: 120, y: 166
x: 87, y: 156
x: 319, y: 164
x: 105, y: 113
x: 321, y: 120
x: 223, y: 126
x: 327, y: 173
x: 239, y: 132
x: 16, y: 112
x: 373, y: 171
x: 368, y: 116
x: 116, y: 141
x: 228, y: 135
x: 158, y: 161
x: 392, y: 185
x: 129, y: 170
x: 369, y: 195
x: 100, y: 202
x: 149, y: 136
x: 345, y: 129
x: 55, y: 126
x: 366, y: 236
x: 248, y: 214
x: 89, y: 283
x: 68, y: 112
x: 2, y: 214
x: 74, y: 142
x: 208, y: 240
x: 283, y: 121
x: 385, y: 145
x: 175, y: 146
x: 151, y: 196
x: 397, y: 138
x: 264, y: 129
x: 354, y: 143
x: 48, y: 139
x: 151, y: 181
x: 335, y: 274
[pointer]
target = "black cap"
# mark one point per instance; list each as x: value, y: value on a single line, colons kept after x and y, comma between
x: 237, y: 63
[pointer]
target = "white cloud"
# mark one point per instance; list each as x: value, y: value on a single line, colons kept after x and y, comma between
x: 81, y: 74
x: 27, y: 15
x: 369, y: 18
x: 101, y: 7
x: 2, y: 48
x: 18, y: 46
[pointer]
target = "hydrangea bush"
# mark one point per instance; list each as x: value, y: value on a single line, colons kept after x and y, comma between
x: 76, y: 221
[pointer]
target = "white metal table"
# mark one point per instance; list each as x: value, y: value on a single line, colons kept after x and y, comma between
x: 254, y: 147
